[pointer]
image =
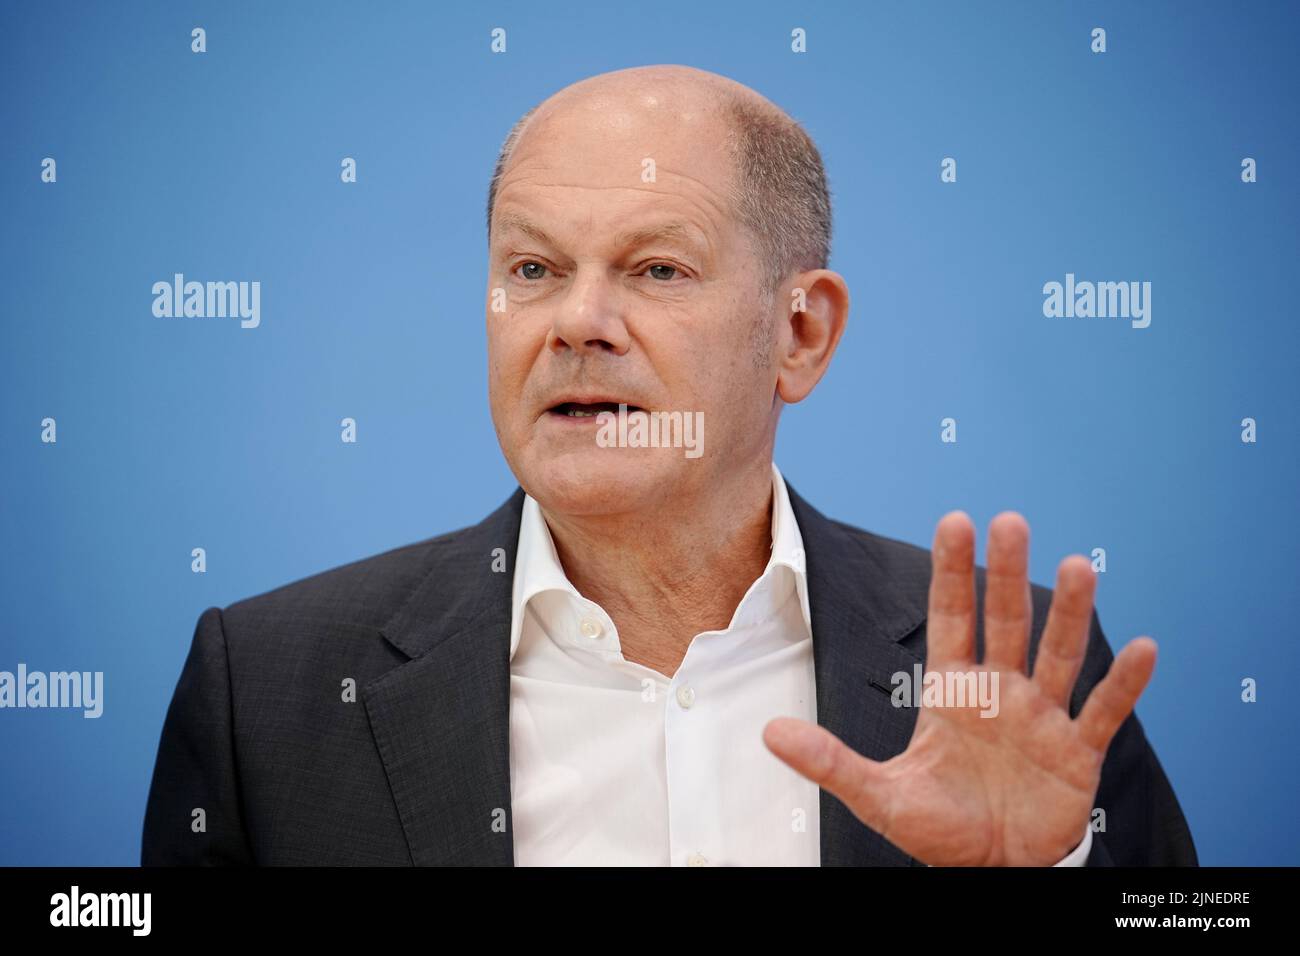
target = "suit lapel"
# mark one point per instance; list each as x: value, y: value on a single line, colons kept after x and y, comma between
x: 864, y: 597
x: 441, y: 720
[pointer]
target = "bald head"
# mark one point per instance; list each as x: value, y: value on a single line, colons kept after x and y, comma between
x: 777, y: 189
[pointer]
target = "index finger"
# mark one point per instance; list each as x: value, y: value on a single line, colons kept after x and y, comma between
x: 950, y: 625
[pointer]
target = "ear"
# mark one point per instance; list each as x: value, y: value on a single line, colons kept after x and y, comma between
x: 817, y: 312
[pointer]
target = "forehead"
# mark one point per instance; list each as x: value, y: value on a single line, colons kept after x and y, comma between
x: 609, y: 164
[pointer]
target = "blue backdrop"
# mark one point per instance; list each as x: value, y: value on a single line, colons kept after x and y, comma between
x: 174, y: 434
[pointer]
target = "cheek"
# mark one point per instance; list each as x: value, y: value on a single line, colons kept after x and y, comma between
x: 501, y: 382
x: 740, y: 385
x: 701, y: 358
x: 511, y: 356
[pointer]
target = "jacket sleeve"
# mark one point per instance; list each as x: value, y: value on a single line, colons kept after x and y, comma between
x: 193, y: 816
x: 1144, y: 825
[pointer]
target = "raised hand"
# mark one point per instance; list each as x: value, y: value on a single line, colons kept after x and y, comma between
x: 1013, y: 789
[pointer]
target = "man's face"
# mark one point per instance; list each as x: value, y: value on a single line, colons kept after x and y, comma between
x: 622, y: 287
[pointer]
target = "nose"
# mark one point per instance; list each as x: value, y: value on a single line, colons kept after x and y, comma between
x: 589, y: 318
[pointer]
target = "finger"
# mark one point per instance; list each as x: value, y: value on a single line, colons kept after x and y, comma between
x: 1115, y: 696
x: 950, y: 627
x: 823, y: 758
x: 1006, y: 594
x: 1065, y: 635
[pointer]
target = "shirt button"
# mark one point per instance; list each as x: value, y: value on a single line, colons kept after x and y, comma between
x: 696, y: 859
x: 686, y: 697
x: 591, y: 628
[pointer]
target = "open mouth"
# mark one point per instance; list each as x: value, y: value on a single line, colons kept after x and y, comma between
x: 588, y: 409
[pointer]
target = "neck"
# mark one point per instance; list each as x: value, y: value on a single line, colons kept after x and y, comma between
x: 667, y: 576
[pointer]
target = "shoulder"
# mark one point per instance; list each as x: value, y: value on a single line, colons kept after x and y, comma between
x: 363, y: 592
x: 368, y: 592
x: 896, y: 573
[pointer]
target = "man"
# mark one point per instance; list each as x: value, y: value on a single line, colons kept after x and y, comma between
x: 661, y: 654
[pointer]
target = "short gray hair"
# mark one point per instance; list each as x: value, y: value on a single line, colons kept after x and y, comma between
x: 778, y: 189
x: 503, y: 160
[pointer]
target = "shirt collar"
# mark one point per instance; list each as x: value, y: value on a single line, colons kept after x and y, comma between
x: 538, y: 568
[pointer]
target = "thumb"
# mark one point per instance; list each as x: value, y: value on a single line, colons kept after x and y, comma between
x: 823, y: 758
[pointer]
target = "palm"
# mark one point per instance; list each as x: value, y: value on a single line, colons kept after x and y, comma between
x: 1012, y: 789
x: 1001, y: 786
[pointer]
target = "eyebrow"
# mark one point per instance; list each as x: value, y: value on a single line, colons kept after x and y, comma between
x: 520, y: 224
x: 671, y: 231
x: 668, y: 231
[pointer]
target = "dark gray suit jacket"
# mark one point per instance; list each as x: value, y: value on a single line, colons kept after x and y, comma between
x: 417, y: 771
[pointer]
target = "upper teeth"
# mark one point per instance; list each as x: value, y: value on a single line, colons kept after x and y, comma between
x: 579, y: 413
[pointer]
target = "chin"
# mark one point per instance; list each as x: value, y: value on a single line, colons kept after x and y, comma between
x: 594, y: 481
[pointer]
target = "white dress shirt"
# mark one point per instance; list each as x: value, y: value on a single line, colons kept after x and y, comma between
x: 615, y: 764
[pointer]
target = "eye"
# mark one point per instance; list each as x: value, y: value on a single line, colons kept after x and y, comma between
x: 662, y: 271
x: 532, y: 270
